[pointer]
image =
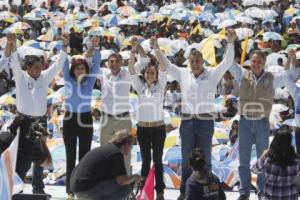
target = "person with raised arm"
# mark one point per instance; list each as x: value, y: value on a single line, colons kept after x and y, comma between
x: 198, y: 87
x: 31, y: 89
x: 78, y: 121
x: 151, y: 132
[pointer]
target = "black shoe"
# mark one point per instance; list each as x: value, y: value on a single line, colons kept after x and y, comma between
x: 243, y: 197
x: 160, y: 196
x: 261, y: 196
x: 40, y: 191
x: 181, y: 197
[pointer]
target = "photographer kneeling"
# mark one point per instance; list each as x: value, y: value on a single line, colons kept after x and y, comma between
x: 101, y: 173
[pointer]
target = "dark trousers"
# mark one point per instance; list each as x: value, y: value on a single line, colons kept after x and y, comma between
x: 152, y: 138
x: 26, y: 152
x: 297, y: 139
x: 105, y: 190
x: 76, y: 125
x: 23, y: 166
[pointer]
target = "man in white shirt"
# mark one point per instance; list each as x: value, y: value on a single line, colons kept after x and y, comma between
x: 31, y: 93
x: 198, y: 87
x: 115, y: 88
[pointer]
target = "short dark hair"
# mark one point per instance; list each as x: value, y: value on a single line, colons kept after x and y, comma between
x: 260, y: 53
x: 121, y: 137
x: 197, y: 159
x: 75, y: 63
x: 195, y: 52
x: 152, y: 63
x: 115, y: 55
x: 30, y: 60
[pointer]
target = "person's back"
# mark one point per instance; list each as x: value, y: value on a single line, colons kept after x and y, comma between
x: 101, y: 163
x: 204, y: 187
x: 101, y: 173
x: 280, y: 183
x: 281, y: 166
x: 202, y: 184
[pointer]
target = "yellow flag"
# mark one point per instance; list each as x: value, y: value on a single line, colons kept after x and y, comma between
x: 244, y: 48
x: 169, y: 21
x: 197, y: 28
x: 222, y: 34
x: 208, y: 51
x: 259, y: 33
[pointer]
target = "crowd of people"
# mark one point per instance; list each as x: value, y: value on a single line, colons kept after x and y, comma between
x: 174, y: 56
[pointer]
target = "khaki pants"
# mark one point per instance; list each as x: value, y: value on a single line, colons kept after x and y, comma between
x: 109, y: 126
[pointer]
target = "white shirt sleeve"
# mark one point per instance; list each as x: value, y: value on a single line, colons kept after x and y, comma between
x: 15, y: 65
x: 290, y: 83
x: 227, y: 61
x: 141, y: 63
x: 4, y: 62
x: 54, y: 69
x: 162, y: 79
x: 136, y: 83
x: 237, y: 71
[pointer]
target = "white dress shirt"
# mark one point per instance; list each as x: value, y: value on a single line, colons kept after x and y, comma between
x: 294, y: 91
x: 115, y: 89
x: 4, y: 64
x: 198, y: 94
x: 150, y: 106
x: 31, y: 94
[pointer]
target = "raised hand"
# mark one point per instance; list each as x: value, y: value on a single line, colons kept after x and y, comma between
x: 153, y: 43
x: 10, y: 44
x: 11, y: 38
x: 292, y: 54
x: 66, y: 39
x: 231, y: 35
x: 134, y: 44
x: 95, y: 41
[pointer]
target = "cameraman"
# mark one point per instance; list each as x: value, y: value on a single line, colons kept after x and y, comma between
x: 31, y: 102
x: 101, y: 173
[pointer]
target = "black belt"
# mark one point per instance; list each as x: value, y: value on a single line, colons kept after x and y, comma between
x: 168, y: 107
x: 124, y: 114
x: 31, y: 117
x: 252, y: 117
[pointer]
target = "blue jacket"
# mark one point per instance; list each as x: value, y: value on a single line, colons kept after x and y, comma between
x: 78, y: 95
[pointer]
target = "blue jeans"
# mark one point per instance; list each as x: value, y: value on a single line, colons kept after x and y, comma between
x: 105, y: 190
x: 194, y: 133
x: 251, y: 132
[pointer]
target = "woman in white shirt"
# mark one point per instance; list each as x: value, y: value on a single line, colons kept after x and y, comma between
x: 151, y: 133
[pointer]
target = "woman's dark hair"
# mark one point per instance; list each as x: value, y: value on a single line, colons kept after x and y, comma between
x: 281, y: 150
x: 153, y: 63
x: 75, y: 63
x: 197, y: 159
x: 30, y: 60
